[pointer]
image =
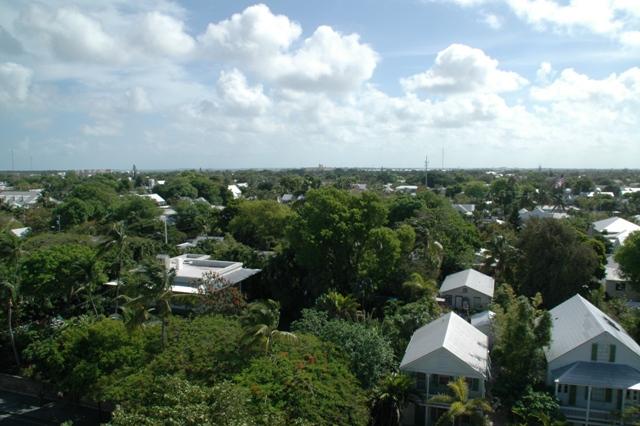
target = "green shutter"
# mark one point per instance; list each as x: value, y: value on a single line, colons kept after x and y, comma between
x: 607, y: 395
x: 612, y: 353
x: 475, y: 384
x: 586, y: 392
x: 594, y: 352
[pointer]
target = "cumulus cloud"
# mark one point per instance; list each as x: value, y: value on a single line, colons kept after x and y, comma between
x: 630, y: 38
x: 575, y: 87
x: 71, y: 34
x: 544, y: 72
x: 15, y: 81
x: 493, y: 21
x: 261, y: 42
x: 463, y: 69
x: 165, y: 35
x: 238, y: 96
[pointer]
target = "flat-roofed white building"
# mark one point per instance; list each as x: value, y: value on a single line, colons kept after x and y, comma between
x: 20, y: 199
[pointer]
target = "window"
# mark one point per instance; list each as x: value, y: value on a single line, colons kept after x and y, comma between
x: 475, y: 385
x: 594, y: 352
x: 464, y: 289
x: 476, y: 302
x: 421, y: 381
x: 444, y: 380
x: 599, y: 394
x: 612, y: 353
x: 620, y: 286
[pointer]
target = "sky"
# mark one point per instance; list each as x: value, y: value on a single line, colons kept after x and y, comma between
x: 365, y: 83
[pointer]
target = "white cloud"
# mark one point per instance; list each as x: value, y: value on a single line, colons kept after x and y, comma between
x: 544, y: 72
x: 71, y: 35
x: 238, y: 96
x: 254, y: 33
x: 138, y: 99
x: 102, y: 128
x: 463, y: 69
x: 261, y: 42
x: 165, y: 35
x: 630, y: 38
x: 15, y: 81
x: 493, y: 21
x: 575, y: 87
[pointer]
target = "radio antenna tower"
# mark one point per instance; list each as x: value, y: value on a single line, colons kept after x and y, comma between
x: 426, y: 171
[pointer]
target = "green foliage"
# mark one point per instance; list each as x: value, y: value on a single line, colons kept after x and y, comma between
x: 338, y: 306
x: 306, y: 382
x: 51, y: 277
x: 461, y: 405
x: 628, y: 257
x: 555, y: 261
x: 194, y: 218
x: 172, y: 401
x: 329, y: 234
x: 368, y: 351
x: 139, y: 214
x: 522, y: 330
x: 537, y: 408
x: 260, y: 224
x: 260, y: 324
x: 389, y: 398
x: 401, y: 320
x: 87, y: 359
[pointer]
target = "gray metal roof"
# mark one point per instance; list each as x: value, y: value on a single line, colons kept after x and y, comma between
x: 454, y: 334
x: 598, y: 374
x: 576, y: 321
x: 469, y: 278
x: 482, y: 319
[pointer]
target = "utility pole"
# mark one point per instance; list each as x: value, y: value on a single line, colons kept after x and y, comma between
x: 426, y: 171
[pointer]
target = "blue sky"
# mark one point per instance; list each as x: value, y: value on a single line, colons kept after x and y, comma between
x: 166, y: 84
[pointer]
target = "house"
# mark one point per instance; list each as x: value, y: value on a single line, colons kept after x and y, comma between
x: 592, y: 363
x: 465, y: 209
x: 446, y: 348
x: 286, y: 198
x: 155, y: 198
x: 21, y: 199
x: 235, y: 191
x: 615, y: 285
x: 192, y: 271
x: 483, y: 321
x: 540, y: 213
x: 407, y: 189
x: 615, y: 229
x: 358, y: 187
x: 193, y: 243
x: 468, y: 290
x: 21, y: 232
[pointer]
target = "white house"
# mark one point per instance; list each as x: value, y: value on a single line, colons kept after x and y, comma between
x: 21, y: 199
x: 191, y: 270
x: 592, y: 363
x: 465, y: 209
x: 407, y: 189
x: 446, y: 348
x: 615, y: 229
x: 468, y: 289
x: 615, y: 285
x: 155, y: 198
x: 235, y: 191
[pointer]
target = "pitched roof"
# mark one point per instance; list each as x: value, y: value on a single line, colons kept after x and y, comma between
x: 469, y: 278
x: 454, y: 334
x: 576, y: 321
x: 615, y: 225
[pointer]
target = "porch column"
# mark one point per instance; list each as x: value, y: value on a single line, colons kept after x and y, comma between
x: 624, y: 397
x: 426, y: 405
x: 586, y: 421
x: 556, y: 394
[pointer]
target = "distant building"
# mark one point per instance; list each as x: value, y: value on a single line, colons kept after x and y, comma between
x: 468, y: 290
x: 20, y: 199
x: 235, y: 191
x: 615, y: 285
x: 192, y: 270
x: 21, y: 232
x: 465, y: 209
x: 540, y: 213
x: 615, y: 229
x: 359, y: 187
x: 155, y: 198
x: 407, y: 189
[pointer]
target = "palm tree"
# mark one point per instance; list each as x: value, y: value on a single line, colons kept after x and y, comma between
x: 501, y: 257
x: 9, y: 292
x: 389, y: 398
x: 339, y: 305
x: 260, y: 323
x: 93, y: 276
x: 118, y: 241
x: 134, y: 312
x: 460, y: 405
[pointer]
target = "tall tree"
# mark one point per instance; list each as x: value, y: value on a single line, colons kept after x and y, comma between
x: 555, y: 261
x: 628, y: 256
x: 522, y: 330
x: 260, y: 323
